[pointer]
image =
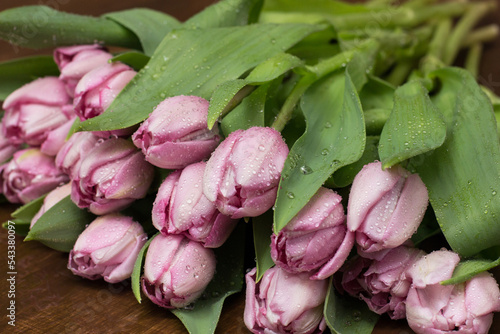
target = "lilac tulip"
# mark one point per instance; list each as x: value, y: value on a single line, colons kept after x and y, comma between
x: 34, y: 110
x: 52, y: 199
x: 74, y: 149
x: 107, y: 248
x: 385, y: 206
x: 56, y: 138
x: 243, y: 173
x: 176, y: 270
x: 382, y: 282
x: 462, y: 308
x: 29, y: 175
x: 76, y: 61
x: 283, y: 302
x: 316, y: 240
x: 176, y: 133
x: 111, y: 176
x: 97, y: 89
x: 181, y: 208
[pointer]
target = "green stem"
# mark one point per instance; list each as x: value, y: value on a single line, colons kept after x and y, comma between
x: 433, y: 58
x: 481, y: 35
x: 473, y: 59
x: 400, y: 72
x: 316, y: 72
x: 473, y: 15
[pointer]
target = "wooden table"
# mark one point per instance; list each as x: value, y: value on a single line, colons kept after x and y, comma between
x: 50, y: 299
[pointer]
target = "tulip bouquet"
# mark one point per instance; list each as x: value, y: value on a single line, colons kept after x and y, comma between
x: 337, y: 138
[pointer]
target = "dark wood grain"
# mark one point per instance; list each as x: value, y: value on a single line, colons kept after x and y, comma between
x: 50, y: 299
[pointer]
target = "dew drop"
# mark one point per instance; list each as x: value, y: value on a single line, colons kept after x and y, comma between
x: 306, y: 170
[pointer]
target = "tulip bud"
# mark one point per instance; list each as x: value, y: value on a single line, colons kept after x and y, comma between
x: 56, y: 138
x: 283, y: 302
x: 97, y: 89
x: 243, y: 173
x: 385, y: 206
x: 462, y: 308
x: 176, y: 133
x: 382, y: 282
x: 76, y: 147
x: 107, y: 248
x: 316, y: 240
x: 29, y: 175
x: 34, y: 110
x: 111, y: 176
x: 52, y: 199
x: 75, y: 61
x: 176, y: 270
x: 181, y: 208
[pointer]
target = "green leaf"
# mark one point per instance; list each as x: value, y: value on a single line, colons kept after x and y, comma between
x: 134, y: 59
x: 60, y: 226
x: 463, y: 175
x: 135, y: 279
x: 28, y: 210
x: 414, y: 127
x: 345, y: 314
x: 265, y: 72
x: 262, y: 230
x: 195, y: 62
x: 250, y: 112
x: 226, y: 13
x: 21, y: 227
x: 15, y: 73
x: 150, y: 26
x: 465, y: 270
x: 345, y: 175
x: 44, y: 27
x: 335, y: 137
x: 202, y: 317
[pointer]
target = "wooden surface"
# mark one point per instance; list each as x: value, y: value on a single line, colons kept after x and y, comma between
x: 50, y: 299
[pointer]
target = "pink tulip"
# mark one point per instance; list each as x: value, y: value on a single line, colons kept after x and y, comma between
x: 29, y: 175
x: 7, y: 149
x: 74, y: 149
x: 97, y: 89
x: 75, y: 61
x: 463, y: 308
x: 283, y: 302
x: 107, y: 248
x: 176, y: 270
x: 316, y: 240
x: 181, y: 208
x: 176, y: 133
x: 385, y: 206
x: 52, y: 199
x: 34, y: 110
x: 56, y: 138
x: 111, y: 176
x: 382, y: 282
x: 243, y: 173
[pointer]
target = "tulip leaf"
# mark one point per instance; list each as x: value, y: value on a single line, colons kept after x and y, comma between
x: 44, y: 27
x: 414, y: 126
x: 134, y: 59
x: 60, y: 226
x: 203, y: 315
x: 345, y: 314
x: 150, y: 26
x: 463, y: 175
x: 345, y: 175
x: 262, y: 230
x: 334, y: 137
x: 195, y: 62
x: 266, y: 71
x: 226, y: 13
x: 465, y: 270
x: 16, y: 73
x: 135, y: 278
x: 28, y: 210
x: 21, y: 227
x: 249, y: 113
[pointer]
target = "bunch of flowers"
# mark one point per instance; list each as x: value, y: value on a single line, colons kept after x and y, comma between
x: 340, y: 154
